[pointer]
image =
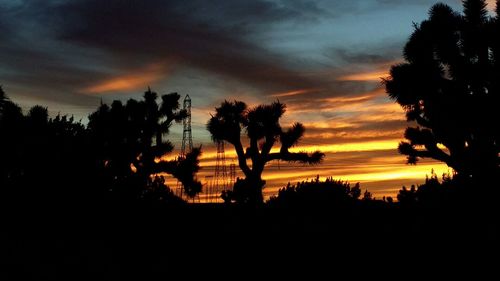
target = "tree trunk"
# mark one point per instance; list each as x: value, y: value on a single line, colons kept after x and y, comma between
x: 255, y: 186
x: 249, y: 191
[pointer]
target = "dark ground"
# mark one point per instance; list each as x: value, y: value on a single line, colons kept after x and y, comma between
x: 239, y: 243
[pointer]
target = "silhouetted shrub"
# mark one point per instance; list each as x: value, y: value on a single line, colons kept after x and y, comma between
x: 316, y: 193
x: 435, y: 192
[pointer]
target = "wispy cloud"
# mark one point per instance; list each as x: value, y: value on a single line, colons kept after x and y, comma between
x: 367, y: 76
x: 294, y: 93
x: 134, y: 81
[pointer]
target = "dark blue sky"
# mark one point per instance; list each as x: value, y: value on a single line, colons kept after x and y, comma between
x: 68, y: 53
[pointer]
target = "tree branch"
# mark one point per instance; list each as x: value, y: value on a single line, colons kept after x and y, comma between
x: 268, y: 145
x: 242, y: 161
x: 432, y: 151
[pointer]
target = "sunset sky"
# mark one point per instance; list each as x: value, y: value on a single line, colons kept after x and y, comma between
x: 323, y: 59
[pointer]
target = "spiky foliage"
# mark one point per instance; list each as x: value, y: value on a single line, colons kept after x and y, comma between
x: 449, y: 86
x: 318, y: 194
x: 130, y: 140
x: 263, y: 130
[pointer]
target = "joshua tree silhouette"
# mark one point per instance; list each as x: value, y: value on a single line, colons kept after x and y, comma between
x: 129, y: 140
x: 449, y: 86
x: 263, y: 130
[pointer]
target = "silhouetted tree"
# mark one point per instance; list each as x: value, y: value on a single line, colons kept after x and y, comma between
x: 130, y: 146
x: 449, y: 86
x: 263, y: 130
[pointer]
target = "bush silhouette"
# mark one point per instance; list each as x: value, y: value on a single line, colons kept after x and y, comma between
x: 316, y: 193
x: 434, y: 192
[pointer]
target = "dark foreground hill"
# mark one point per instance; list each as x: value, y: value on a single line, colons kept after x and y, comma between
x: 142, y: 243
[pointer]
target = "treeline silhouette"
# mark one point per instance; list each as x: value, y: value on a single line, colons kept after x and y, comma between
x: 53, y: 161
x: 449, y: 191
x: 117, y: 158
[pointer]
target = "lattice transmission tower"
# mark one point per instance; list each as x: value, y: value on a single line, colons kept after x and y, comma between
x: 232, y: 176
x: 220, y: 179
x: 187, y: 137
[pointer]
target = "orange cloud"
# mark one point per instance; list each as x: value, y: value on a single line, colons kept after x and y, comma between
x: 356, y: 135
x: 294, y: 93
x: 130, y: 81
x: 356, y: 99
x: 491, y: 4
x: 371, y: 107
x: 367, y: 76
x: 336, y: 104
x: 336, y: 124
x: 350, y: 113
x: 375, y: 73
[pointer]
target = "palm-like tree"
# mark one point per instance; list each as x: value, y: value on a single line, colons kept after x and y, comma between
x: 450, y: 86
x: 263, y: 131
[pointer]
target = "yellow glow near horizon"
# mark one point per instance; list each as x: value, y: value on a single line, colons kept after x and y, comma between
x: 354, y: 151
x: 381, y: 175
x: 326, y: 148
x: 349, y: 147
x: 378, y: 181
x: 416, y: 172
